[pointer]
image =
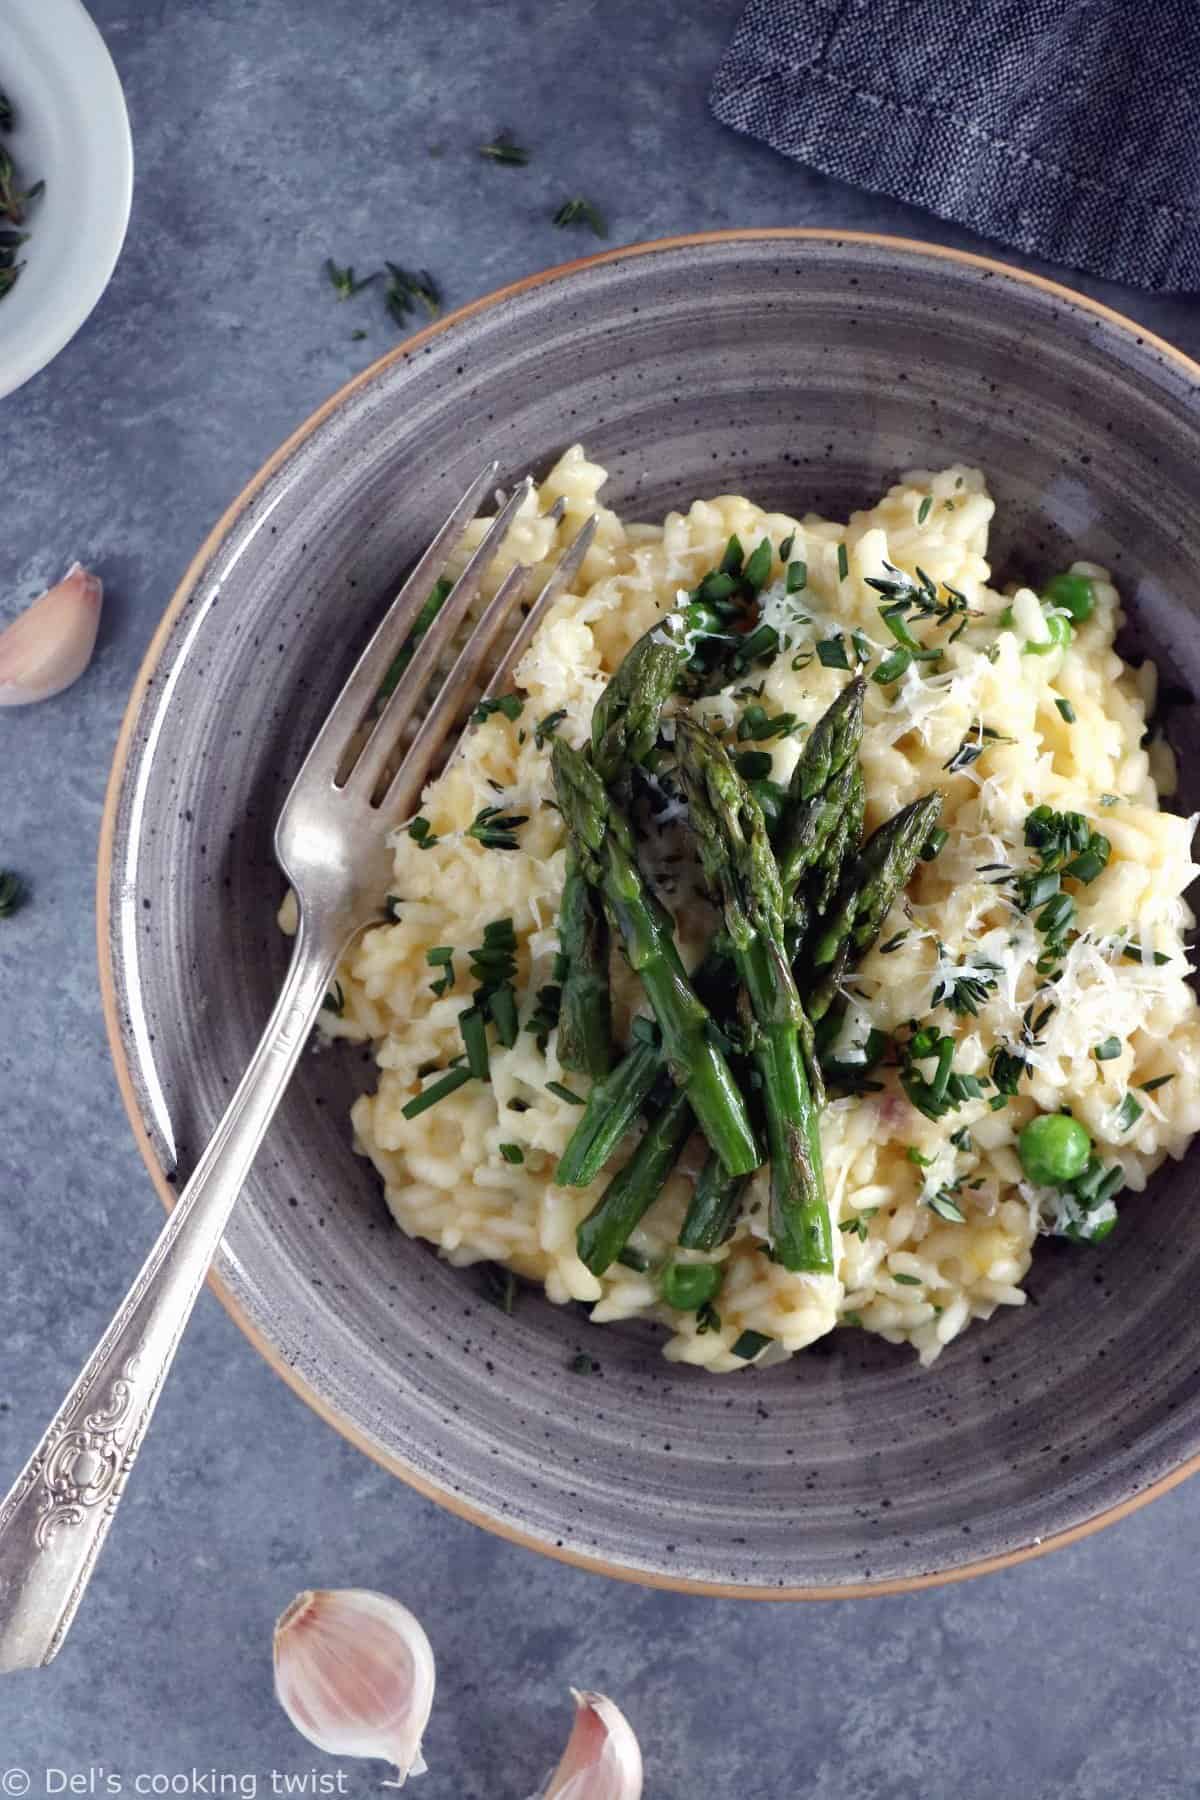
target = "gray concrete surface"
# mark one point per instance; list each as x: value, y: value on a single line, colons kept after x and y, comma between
x: 271, y: 133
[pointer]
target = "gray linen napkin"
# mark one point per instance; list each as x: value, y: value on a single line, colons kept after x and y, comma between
x: 1068, y: 129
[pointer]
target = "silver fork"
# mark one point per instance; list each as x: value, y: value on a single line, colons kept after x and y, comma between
x: 331, y: 844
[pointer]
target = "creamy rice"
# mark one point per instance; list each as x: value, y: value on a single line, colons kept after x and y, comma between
x: 904, y: 1272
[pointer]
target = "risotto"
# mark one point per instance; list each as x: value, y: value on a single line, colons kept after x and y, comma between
x: 1032, y: 968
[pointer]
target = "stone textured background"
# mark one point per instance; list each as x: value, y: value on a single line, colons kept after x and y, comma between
x: 270, y: 134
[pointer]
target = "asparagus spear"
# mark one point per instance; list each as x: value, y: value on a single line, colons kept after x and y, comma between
x: 736, y: 856
x: 604, y: 840
x: 713, y: 1209
x: 865, y: 896
x: 603, y: 1234
x: 585, y: 1009
x: 613, y: 1105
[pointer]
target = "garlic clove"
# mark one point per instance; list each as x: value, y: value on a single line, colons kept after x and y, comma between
x: 50, y: 644
x: 354, y: 1672
x: 602, y: 1760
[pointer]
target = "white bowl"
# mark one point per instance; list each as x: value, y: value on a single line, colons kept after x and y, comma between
x: 72, y: 132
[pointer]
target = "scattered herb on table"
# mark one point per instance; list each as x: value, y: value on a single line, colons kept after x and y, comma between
x: 12, y: 893
x: 505, y: 149
x: 407, y: 289
x: 343, y: 282
x: 579, y: 211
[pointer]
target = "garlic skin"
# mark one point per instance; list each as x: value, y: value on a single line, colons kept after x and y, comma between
x: 602, y: 1760
x: 50, y: 644
x: 354, y: 1672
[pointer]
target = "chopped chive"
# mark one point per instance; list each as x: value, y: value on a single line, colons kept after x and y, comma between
x: 1067, y: 710
x: 905, y: 1280
x: 449, y: 1084
x: 1106, y: 1051
x: 893, y: 943
x: 935, y: 843
x: 334, y: 1001
x: 797, y: 577
x: 500, y: 1286
x: 758, y: 566
x: 749, y: 1344
x: 1129, y: 1112
x: 785, y: 548
x: 12, y: 893
x: 1134, y: 953
x: 1158, y: 1081
x: 473, y: 1029
x: 564, y: 1093
x: 892, y: 667
x: 924, y: 509
x: 633, y: 1259
x: 843, y: 562
x: 495, y: 829
x: 391, y: 908
x: 831, y: 653
x: 583, y: 1364
x: 512, y: 1153
x: 753, y: 765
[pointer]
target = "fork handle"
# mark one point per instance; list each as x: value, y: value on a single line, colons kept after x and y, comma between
x: 55, y: 1517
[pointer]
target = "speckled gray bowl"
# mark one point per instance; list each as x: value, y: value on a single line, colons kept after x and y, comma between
x: 805, y: 369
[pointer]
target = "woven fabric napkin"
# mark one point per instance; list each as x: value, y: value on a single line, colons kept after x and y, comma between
x: 1068, y: 129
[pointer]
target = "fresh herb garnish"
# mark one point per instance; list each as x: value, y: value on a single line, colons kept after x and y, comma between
x: 422, y: 833
x: 334, y: 1001
x: 944, y: 1090
x: 494, y: 968
x: 512, y: 1153
x: 1066, y: 709
x: 894, y: 943
x: 511, y: 705
x: 407, y: 289
x: 859, y: 1225
x: 633, y: 1259
x: 904, y: 1280
x: 944, y: 1205
x: 964, y: 990
x: 753, y: 765
x: 12, y: 207
x: 1157, y: 1081
x: 505, y: 149
x: 843, y: 560
x: 436, y: 599
x: 545, y: 728
x: 924, y: 509
x: 935, y: 843
x: 757, y: 725
x: 581, y: 212
x: 1135, y: 953
x: 500, y: 1286
x: 495, y: 829
x: 441, y: 957
x: 1106, y: 1051
x: 564, y: 1093
x: 449, y: 1084
x: 1128, y: 1113
x: 831, y: 653
x: 12, y: 893
x: 583, y: 1364
x: 748, y: 1344
x: 796, y: 579
x: 973, y: 747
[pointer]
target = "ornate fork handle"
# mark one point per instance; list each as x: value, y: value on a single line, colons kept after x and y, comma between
x: 54, y: 1519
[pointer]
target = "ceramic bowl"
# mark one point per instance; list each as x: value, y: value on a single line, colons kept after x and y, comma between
x: 72, y: 131
x: 807, y: 370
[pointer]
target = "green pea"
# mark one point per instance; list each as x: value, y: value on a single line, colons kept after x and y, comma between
x: 1054, y: 1148
x: 687, y: 1286
x: 1060, y: 636
x: 1074, y: 593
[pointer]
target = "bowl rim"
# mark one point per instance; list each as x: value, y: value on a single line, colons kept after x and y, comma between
x: 896, y: 244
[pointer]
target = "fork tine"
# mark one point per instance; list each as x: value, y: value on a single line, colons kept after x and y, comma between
x: 380, y: 745
x: 366, y: 678
x: 404, y: 789
x: 564, y: 570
